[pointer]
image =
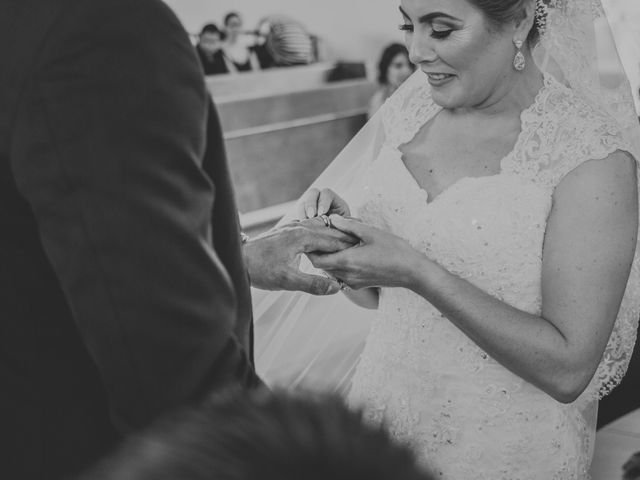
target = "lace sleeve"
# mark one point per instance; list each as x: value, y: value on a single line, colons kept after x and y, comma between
x: 560, y: 133
x: 589, y: 134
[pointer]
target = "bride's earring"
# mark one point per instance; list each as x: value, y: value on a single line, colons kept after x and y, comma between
x: 519, y: 61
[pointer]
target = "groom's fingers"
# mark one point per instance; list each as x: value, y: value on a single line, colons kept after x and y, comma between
x: 315, y: 284
x: 327, y: 242
x: 332, y: 262
x: 316, y: 237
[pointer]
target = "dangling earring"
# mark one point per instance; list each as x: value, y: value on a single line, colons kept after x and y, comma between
x: 519, y: 61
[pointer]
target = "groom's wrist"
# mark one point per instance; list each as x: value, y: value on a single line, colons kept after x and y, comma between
x: 247, y: 256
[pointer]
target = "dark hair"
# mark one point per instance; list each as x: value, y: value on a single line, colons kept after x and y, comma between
x: 229, y: 16
x: 631, y: 467
x: 267, y: 436
x: 501, y: 12
x: 211, y: 28
x: 388, y: 54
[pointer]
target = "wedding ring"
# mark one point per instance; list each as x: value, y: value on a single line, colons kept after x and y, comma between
x: 326, y: 220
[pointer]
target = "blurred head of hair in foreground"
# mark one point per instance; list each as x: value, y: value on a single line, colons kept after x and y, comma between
x: 250, y: 436
x: 631, y: 468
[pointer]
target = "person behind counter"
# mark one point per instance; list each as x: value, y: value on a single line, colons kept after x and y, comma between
x: 393, y: 69
x: 237, y: 48
x: 209, y: 49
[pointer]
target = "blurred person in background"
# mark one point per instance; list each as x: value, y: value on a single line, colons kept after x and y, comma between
x: 266, y: 436
x: 393, y: 69
x: 238, y: 45
x: 263, y: 30
x: 287, y: 41
x: 209, y: 49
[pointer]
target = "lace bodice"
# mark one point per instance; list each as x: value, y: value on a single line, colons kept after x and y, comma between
x: 468, y: 415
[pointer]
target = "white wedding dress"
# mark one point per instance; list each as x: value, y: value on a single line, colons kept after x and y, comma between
x: 467, y: 416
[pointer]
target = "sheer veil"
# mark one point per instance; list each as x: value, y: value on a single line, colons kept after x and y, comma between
x: 315, y: 342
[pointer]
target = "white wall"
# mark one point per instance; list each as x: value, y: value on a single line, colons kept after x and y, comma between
x: 351, y: 29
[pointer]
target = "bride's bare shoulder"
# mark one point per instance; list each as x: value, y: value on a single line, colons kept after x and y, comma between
x: 609, y: 184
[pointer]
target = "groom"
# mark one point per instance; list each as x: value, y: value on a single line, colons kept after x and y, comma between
x: 123, y: 291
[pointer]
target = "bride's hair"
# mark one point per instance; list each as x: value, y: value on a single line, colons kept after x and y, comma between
x: 501, y: 12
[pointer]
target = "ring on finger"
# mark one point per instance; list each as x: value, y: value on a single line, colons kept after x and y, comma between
x: 343, y: 286
x: 327, y: 221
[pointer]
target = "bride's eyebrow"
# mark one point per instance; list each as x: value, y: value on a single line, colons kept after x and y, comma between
x: 429, y: 16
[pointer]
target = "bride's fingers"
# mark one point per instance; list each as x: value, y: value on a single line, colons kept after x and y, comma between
x: 311, y: 203
x: 307, y: 207
x: 300, y: 213
x: 325, y: 201
x: 352, y: 227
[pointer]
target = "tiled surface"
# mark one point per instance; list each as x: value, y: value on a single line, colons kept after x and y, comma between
x: 614, y: 445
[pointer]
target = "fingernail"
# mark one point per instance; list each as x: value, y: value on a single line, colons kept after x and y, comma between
x: 310, y: 212
x: 333, y: 288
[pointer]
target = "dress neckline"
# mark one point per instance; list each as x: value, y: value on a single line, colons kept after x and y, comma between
x: 524, y: 134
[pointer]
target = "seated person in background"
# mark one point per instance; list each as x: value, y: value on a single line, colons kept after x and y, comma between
x: 263, y: 30
x: 237, y: 47
x: 209, y: 49
x: 266, y: 436
x: 285, y: 41
x: 393, y: 69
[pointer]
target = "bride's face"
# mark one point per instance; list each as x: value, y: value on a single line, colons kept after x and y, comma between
x: 466, y: 61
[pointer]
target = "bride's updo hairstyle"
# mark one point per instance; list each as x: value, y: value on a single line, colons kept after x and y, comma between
x: 501, y: 12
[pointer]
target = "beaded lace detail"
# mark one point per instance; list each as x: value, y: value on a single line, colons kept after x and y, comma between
x: 467, y: 415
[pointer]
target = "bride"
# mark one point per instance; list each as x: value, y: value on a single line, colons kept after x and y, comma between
x: 497, y: 202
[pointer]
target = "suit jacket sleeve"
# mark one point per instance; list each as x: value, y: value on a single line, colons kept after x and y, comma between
x: 107, y: 148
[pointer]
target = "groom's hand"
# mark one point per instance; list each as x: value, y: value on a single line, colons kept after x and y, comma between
x: 273, y: 258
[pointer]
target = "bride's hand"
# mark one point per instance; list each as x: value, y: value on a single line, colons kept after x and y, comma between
x: 380, y: 260
x: 321, y: 202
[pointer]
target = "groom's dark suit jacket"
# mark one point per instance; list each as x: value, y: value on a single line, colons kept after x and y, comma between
x: 122, y: 287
